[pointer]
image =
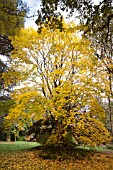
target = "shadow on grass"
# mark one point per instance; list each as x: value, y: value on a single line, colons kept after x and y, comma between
x: 63, y: 152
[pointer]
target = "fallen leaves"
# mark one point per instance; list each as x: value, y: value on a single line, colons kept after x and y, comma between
x: 31, y: 160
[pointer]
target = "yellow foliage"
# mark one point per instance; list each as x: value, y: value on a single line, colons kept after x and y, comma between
x: 29, y: 106
x: 61, y: 68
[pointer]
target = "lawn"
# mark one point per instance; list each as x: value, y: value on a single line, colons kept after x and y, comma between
x: 23, y: 156
x: 17, y: 146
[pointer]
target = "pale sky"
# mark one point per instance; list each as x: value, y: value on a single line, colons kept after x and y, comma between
x: 34, y: 6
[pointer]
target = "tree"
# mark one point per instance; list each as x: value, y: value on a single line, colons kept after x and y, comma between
x: 97, y: 20
x: 12, y: 18
x: 4, y: 109
x: 61, y: 68
x: 10, y: 24
x: 88, y: 13
x: 98, y: 23
x: 101, y: 37
x: 28, y: 104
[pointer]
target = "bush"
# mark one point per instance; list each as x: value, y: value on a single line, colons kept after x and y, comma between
x: 21, y: 138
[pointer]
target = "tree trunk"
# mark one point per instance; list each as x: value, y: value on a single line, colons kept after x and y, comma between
x: 8, y: 138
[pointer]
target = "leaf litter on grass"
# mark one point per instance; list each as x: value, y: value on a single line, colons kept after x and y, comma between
x: 31, y: 160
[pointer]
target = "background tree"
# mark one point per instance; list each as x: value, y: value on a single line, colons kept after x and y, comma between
x: 101, y: 37
x: 12, y: 14
x: 10, y: 23
x: 88, y: 13
x: 12, y: 18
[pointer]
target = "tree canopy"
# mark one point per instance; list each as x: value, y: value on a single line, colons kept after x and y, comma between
x: 59, y: 76
x: 12, y: 14
x: 88, y: 13
x: 12, y: 18
x: 97, y: 20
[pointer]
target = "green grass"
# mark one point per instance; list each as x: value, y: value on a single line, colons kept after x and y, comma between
x: 107, y: 148
x: 24, y: 145
x: 17, y: 146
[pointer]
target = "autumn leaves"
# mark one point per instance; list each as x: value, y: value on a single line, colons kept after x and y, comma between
x: 57, y: 72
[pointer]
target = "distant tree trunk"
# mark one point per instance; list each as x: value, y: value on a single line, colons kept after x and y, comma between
x: 110, y: 115
x: 112, y: 127
x: 15, y: 138
x: 8, y: 138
